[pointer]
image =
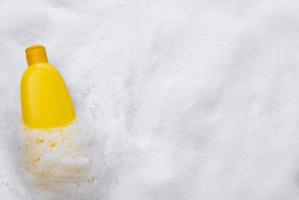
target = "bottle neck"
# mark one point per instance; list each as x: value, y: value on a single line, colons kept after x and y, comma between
x: 36, y: 54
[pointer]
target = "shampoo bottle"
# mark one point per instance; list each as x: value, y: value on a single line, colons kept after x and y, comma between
x: 46, y: 102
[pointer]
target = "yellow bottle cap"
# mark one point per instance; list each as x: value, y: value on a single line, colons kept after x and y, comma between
x: 36, y: 54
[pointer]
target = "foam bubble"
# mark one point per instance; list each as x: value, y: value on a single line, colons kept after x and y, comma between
x: 56, y: 158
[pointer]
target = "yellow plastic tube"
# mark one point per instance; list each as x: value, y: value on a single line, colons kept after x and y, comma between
x: 46, y: 102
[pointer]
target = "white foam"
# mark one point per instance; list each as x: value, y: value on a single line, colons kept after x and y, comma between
x: 177, y: 99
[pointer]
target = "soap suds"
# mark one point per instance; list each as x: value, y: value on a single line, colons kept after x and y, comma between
x: 54, y: 157
x: 176, y: 99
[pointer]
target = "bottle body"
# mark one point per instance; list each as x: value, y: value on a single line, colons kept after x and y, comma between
x: 46, y: 102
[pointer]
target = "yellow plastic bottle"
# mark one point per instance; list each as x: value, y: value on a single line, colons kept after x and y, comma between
x: 46, y: 102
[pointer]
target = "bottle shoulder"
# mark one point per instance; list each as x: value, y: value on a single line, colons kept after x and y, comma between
x: 39, y: 69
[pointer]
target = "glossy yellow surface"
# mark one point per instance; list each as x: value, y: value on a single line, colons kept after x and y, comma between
x: 46, y: 102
